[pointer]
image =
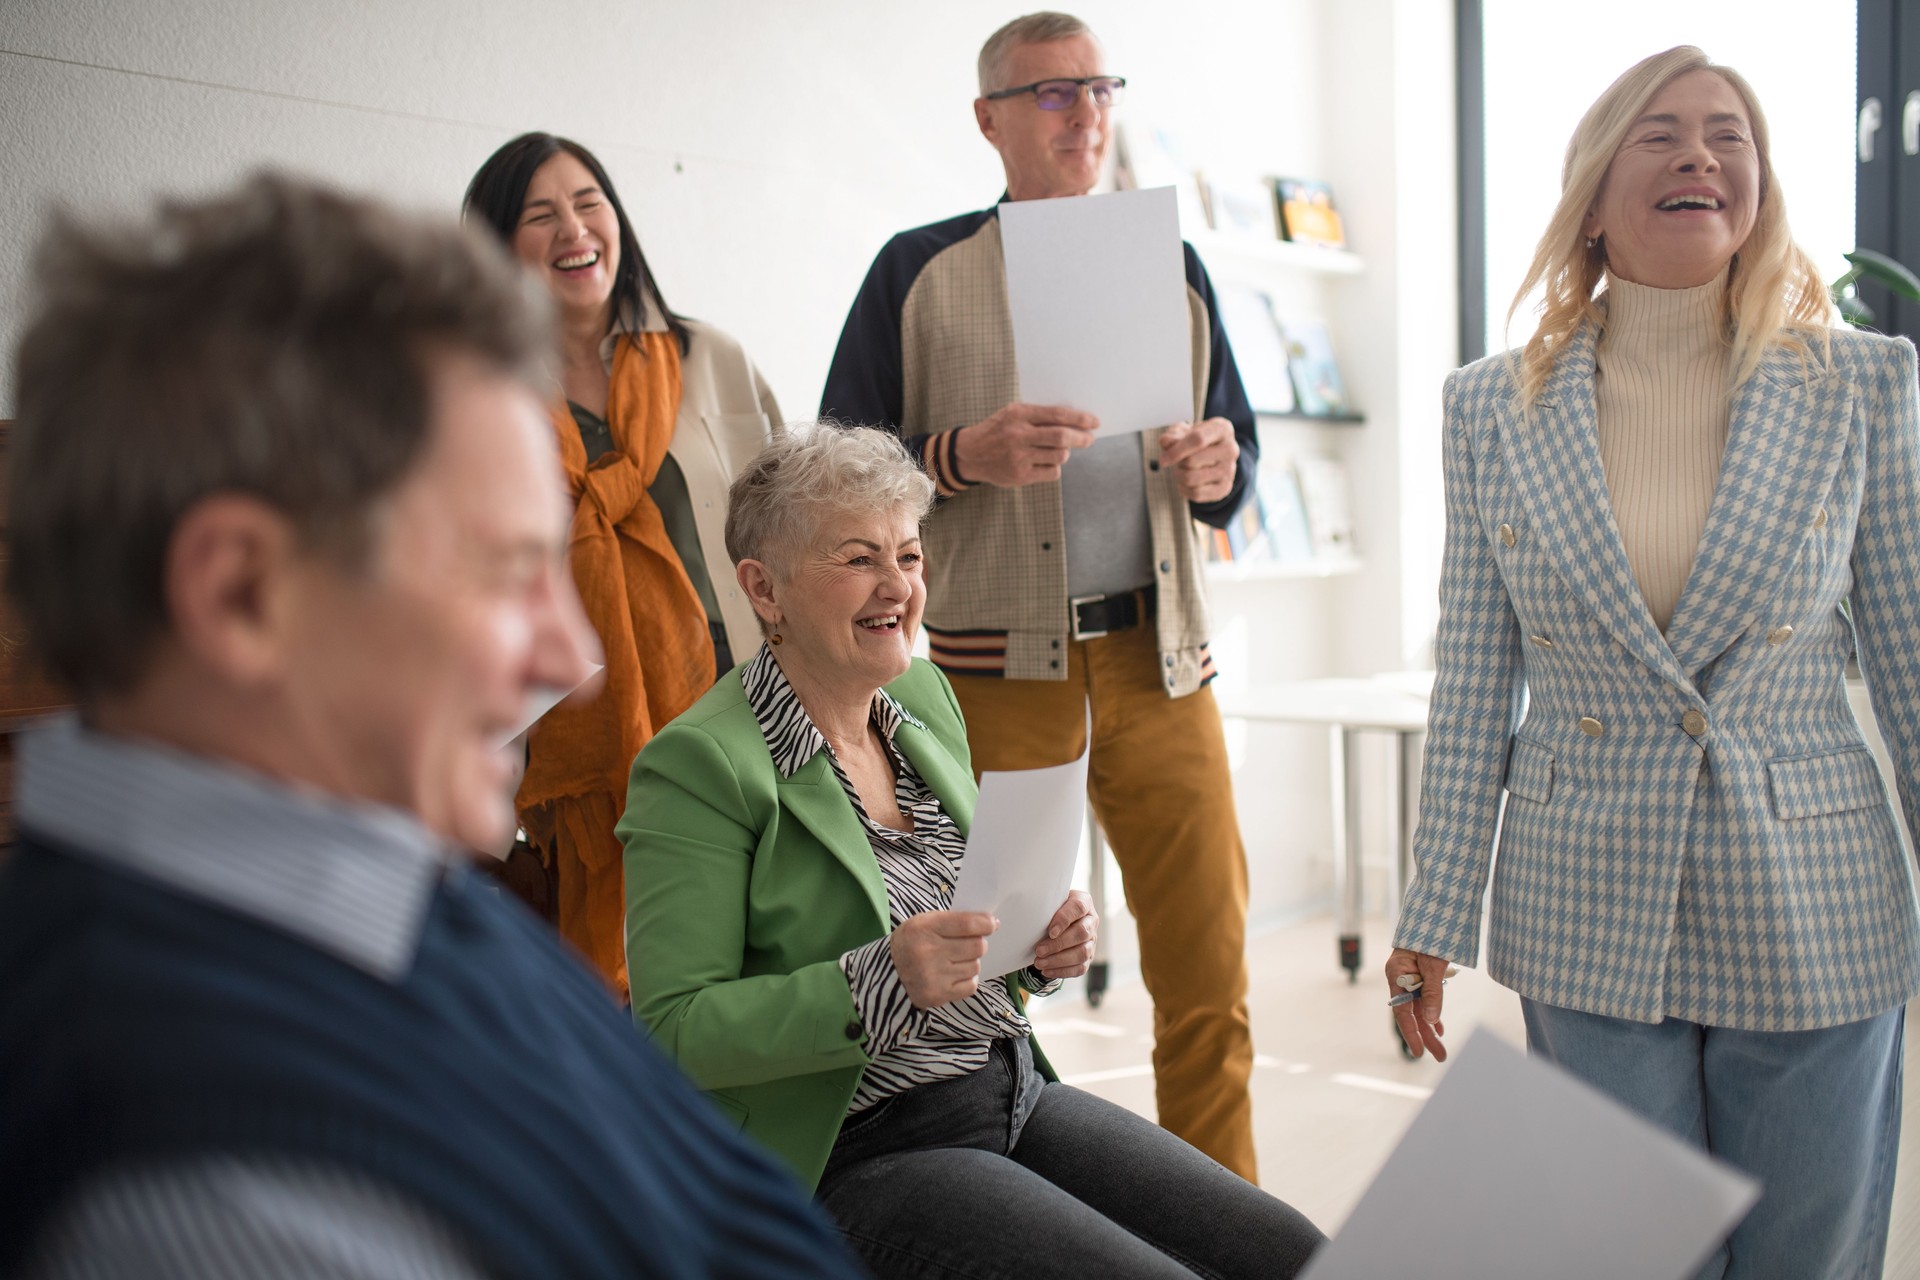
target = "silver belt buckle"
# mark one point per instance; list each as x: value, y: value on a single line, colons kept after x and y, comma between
x: 1073, y: 614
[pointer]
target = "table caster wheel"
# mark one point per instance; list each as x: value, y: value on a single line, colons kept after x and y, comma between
x: 1096, y: 983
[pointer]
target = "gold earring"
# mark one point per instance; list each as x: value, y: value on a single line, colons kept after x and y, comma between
x: 774, y: 637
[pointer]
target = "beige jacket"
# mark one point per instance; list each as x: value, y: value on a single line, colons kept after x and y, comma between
x: 727, y: 415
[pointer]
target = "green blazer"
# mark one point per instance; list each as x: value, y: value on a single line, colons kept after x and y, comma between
x: 744, y: 889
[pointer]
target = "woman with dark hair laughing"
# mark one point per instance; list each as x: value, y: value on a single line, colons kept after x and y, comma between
x: 654, y: 413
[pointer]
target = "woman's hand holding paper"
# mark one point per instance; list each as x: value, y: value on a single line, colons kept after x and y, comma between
x: 937, y: 955
x: 1067, y: 950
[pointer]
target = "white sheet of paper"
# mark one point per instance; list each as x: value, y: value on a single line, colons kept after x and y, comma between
x: 1515, y: 1170
x: 1097, y: 288
x: 1020, y: 854
x: 541, y: 701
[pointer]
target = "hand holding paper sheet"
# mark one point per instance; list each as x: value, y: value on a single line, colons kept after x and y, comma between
x: 1515, y: 1170
x: 1097, y: 289
x: 1020, y: 855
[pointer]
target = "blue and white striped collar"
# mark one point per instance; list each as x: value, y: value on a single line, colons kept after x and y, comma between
x: 352, y: 879
x: 792, y: 738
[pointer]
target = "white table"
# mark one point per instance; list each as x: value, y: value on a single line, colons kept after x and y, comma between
x: 1394, y: 703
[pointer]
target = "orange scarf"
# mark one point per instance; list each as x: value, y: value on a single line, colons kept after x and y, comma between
x: 659, y: 653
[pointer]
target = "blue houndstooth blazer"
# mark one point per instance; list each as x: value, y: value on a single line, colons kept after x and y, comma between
x: 1693, y: 824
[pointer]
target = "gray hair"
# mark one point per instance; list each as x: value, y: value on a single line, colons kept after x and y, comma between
x: 274, y: 341
x: 1032, y: 28
x: 812, y: 470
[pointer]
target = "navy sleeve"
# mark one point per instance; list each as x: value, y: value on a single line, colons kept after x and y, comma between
x: 1226, y: 398
x: 866, y: 384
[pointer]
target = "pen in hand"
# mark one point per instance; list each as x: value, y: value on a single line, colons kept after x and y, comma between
x: 1410, y: 985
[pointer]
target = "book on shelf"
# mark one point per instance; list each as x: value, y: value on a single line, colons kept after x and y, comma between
x: 1147, y: 157
x: 1243, y: 541
x: 1247, y: 534
x: 1283, y: 513
x: 1259, y: 348
x: 1272, y: 527
x: 1240, y: 205
x: 1325, y: 497
x: 1306, y: 215
x: 1317, y: 386
x: 1213, y: 542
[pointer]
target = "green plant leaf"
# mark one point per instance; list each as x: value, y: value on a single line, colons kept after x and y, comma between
x: 1879, y: 267
x: 1854, y: 311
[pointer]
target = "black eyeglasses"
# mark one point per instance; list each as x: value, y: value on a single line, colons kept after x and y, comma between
x: 1058, y: 95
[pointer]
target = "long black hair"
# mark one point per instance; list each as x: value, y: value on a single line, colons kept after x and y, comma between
x: 498, y: 193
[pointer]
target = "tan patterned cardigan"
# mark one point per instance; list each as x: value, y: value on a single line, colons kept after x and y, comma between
x: 927, y: 348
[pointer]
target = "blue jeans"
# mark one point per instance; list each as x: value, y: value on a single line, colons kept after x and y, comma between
x: 1815, y: 1115
x: 1001, y: 1173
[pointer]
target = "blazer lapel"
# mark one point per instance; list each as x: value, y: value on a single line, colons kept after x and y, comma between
x: 1785, y: 436
x: 814, y: 796
x: 1554, y: 452
x: 950, y: 781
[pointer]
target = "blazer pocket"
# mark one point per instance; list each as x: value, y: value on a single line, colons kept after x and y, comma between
x: 1834, y: 782
x: 738, y: 436
x: 1530, y: 771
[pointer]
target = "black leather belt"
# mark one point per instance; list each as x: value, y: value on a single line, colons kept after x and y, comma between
x: 1090, y: 617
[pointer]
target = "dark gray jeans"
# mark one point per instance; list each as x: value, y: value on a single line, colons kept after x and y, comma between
x: 1003, y: 1174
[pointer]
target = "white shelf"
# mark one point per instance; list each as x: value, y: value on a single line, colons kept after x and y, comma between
x: 1244, y: 254
x: 1279, y: 570
x: 1263, y: 418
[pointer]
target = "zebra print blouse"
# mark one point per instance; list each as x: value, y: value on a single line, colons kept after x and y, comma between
x: 909, y: 1046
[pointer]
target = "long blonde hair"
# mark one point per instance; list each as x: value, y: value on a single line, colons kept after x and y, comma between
x: 1774, y: 291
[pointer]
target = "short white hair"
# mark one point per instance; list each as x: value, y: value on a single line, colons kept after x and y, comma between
x: 812, y: 470
x: 1032, y: 28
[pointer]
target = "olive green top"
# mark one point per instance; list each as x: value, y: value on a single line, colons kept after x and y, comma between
x: 669, y: 493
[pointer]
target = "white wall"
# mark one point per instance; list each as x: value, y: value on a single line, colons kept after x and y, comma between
x: 765, y: 149
x: 1391, y: 125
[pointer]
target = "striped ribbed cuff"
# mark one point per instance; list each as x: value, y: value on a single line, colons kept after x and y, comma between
x: 1038, y: 983
x: 972, y: 653
x: 939, y: 456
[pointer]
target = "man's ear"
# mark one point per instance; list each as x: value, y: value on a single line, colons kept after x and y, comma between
x: 983, y: 116
x: 757, y: 581
x: 230, y: 567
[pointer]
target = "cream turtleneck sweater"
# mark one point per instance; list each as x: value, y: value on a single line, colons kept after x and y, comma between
x: 1661, y: 390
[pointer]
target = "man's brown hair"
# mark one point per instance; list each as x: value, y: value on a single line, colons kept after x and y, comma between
x: 274, y: 341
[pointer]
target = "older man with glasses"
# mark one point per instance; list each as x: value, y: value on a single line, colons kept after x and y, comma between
x: 1062, y: 570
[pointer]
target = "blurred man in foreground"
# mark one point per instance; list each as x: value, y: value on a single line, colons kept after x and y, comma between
x: 286, y: 517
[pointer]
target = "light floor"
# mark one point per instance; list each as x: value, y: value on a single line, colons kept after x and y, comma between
x: 1331, y: 1092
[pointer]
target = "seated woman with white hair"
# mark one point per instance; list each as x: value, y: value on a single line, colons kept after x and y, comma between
x: 792, y: 843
